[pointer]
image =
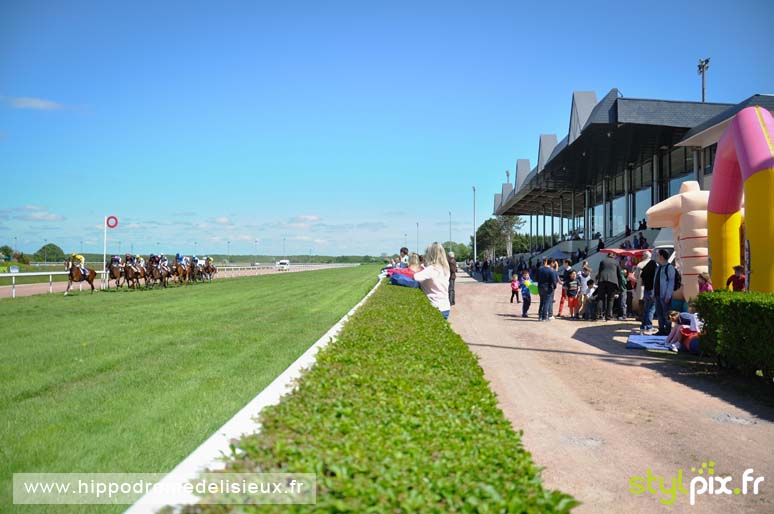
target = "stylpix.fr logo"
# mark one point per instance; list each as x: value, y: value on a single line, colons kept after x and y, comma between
x: 705, y: 482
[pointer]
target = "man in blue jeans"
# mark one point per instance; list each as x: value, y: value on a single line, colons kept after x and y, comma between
x: 647, y: 276
x: 663, y: 289
x: 546, y: 278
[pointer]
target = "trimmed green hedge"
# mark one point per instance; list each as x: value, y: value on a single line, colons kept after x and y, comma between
x: 738, y: 329
x: 396, y: 416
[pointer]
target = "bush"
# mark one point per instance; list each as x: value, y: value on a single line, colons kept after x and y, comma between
x: 396, y: 416
x: 738, y: 330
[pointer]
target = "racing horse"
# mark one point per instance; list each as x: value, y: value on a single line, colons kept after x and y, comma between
x: 156, y: 273
x: 133, y: 276
x: 114, y: 272
x: 182, y: 272
x: 209, y: 270
x: 76, y: 275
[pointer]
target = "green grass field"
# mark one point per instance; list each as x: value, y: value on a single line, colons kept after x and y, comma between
x: 134, y: 381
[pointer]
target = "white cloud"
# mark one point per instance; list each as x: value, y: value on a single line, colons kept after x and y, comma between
x: 306, y: 218
x: 222, y: 220
x: 28, y: 102
x: 40, y: 216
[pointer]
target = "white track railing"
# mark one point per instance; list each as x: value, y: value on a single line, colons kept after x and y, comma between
x: 224, y: 271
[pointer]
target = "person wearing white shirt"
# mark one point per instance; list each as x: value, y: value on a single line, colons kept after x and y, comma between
x: 434, y: 279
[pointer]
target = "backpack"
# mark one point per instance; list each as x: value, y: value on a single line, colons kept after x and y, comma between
x: 678, y: 279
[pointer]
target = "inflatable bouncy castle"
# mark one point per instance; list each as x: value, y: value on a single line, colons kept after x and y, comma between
x: 744, y: 165
x: 686, y: 214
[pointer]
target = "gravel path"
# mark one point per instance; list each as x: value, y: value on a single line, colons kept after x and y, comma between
x: 595, y: 414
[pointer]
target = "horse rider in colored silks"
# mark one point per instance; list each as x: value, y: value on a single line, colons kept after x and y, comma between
x: 140, y: 262
x: 80, y: 260
x: 129, y: 260
x: 163, y: 262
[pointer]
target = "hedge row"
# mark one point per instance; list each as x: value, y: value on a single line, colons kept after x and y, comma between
x: 738, y: 329
x: 396, y: 416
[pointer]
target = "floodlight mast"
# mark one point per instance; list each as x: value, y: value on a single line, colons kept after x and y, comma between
x: 702, y: 70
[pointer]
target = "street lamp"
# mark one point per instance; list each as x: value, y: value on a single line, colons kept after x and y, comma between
x: 194, y: 247
x: 45, y: 251
x: 228, y: 250
x: 475, y: 249
x: 703, y: 67
x: 450, y: 237
x: 256, y: 250
x: 15, y: 245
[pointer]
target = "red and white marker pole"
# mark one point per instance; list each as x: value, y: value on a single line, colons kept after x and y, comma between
x: 110, y: 222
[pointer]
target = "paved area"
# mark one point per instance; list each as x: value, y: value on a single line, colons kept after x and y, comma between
x: 595, y: 414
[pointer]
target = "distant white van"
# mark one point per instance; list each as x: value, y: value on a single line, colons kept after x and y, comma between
x: 283, y: 265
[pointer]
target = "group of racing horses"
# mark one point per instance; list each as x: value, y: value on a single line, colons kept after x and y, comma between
x: 152, y: 272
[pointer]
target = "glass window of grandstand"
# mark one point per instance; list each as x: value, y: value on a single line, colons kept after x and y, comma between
x: 642, y: 181
x: 681, y: 169
x: 617, y: 206
x: 709, y: 158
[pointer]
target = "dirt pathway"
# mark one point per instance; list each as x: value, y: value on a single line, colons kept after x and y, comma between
x: 595, y: 414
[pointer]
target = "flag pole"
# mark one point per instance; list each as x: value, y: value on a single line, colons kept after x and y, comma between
x: 104, y: 251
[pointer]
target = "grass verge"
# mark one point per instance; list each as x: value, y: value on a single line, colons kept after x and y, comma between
x: 133, y: 381
x: 396, y: 416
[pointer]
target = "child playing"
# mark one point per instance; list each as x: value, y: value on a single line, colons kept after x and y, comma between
x: 573, y: 290
x: 705, y: 284
x: 525, y: 294
x: 515, y: 288
x: 681, y: 320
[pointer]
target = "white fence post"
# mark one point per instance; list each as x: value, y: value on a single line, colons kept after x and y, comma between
x: 50, y: 284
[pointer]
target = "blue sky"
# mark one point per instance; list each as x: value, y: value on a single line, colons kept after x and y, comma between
x: 336, y: 126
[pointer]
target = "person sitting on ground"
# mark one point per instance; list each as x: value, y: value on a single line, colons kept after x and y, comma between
x: 680, y: 320
x: 404, y: 257
x: 434, y: 278
x: 705, y: 283
x: 737, y: 280
x: 526, y: 294
x: 573, y: 290
x: 515, y: 286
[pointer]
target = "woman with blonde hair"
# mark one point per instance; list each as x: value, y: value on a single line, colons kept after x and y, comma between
x: 413, y: 263
x: 434, y: 279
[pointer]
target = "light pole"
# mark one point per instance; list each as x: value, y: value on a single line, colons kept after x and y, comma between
x: 284, y: 253
x: 417, y: 238
x: 256, y: 250
x: 475, y: 249
x: 703, y: 67
x: 15, y: 245
x: 45, y: 251
x: 194, y: 247
x: 450, y: 239
x: 228, y: 250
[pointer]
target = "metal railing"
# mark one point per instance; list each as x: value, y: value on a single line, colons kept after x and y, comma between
x: 224, y: 271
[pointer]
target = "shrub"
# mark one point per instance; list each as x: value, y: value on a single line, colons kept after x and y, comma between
x: 396, y: 416
x: 738, y: 329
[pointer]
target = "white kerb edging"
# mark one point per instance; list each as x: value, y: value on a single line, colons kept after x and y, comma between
x: 209, y: 454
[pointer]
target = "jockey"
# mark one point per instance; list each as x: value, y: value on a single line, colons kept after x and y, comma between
x: 79, y: 259
x: 163, y: 262
x: 130, y: 261
x: 186, y: 261
x: 115, y: 260
x: 196, y: 261
x: 140, y: 261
